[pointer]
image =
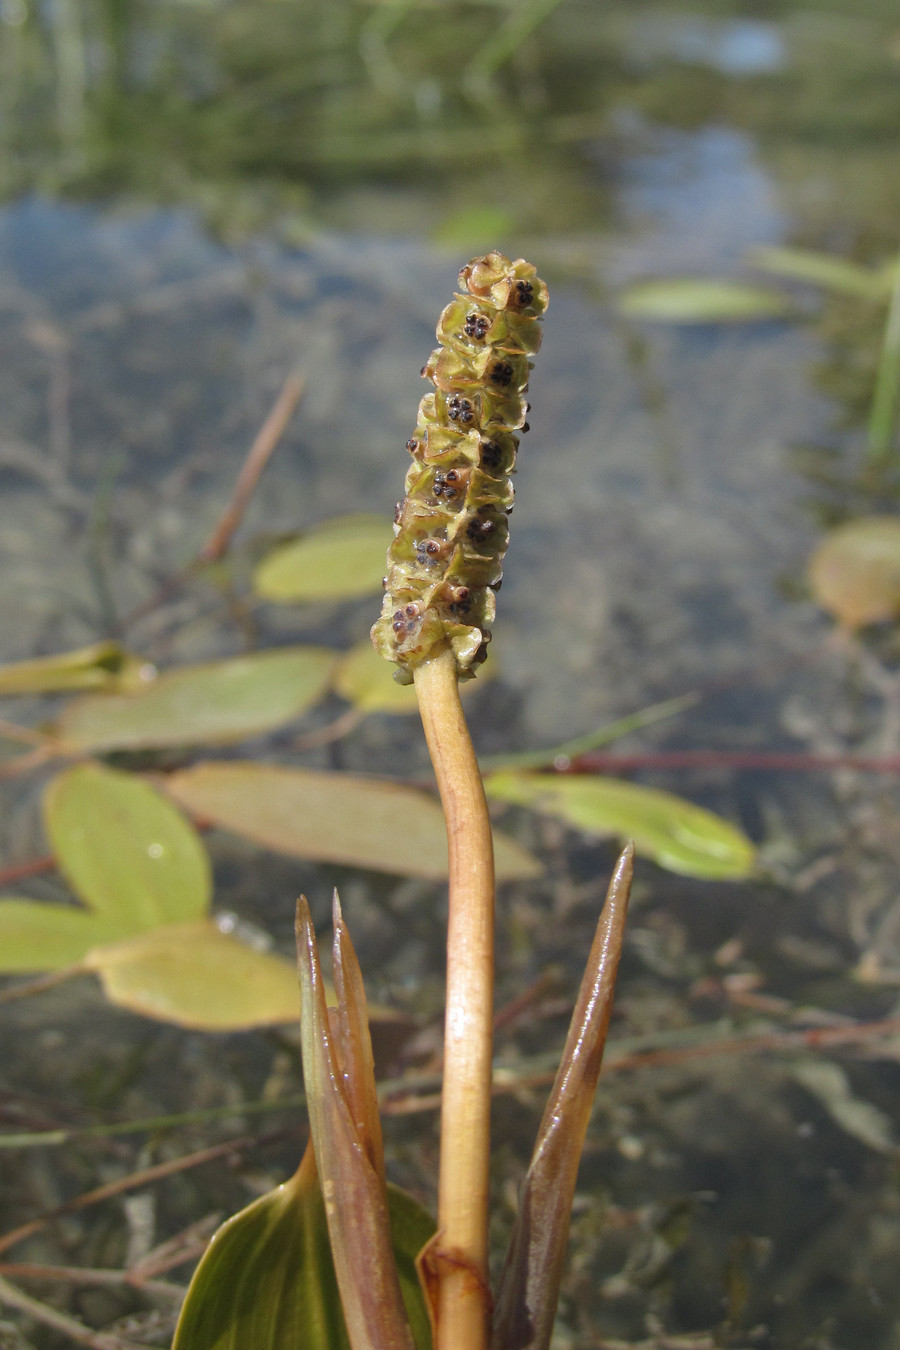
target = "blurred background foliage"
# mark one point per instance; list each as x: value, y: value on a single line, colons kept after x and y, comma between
x: 444, y: 112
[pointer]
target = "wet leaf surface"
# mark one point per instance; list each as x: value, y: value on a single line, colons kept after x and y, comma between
x: 338, y: 560
x: 126, y: 851
x: 220, y: 702
x: 365, y: 822
x: 855, y: 571
x: 673, y: 832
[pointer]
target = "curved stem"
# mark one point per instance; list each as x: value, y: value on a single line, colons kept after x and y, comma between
x: 460, y: 1258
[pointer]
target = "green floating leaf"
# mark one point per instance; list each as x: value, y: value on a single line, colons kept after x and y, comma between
x: 104, y: 665
x: 684, y: 300
x: 267, y: 1279
x: 197, y: 977
x: 823, y: 269
x: 855, y: 572
x: 338, y: 560
x: 124, y: 849
x: 36, y: 936
x: 330, y: 817
x: 673, y: 832
x: 221, y: 702
x: 366, y: 679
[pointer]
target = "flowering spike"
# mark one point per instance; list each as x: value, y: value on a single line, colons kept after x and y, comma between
x: 451, y: 528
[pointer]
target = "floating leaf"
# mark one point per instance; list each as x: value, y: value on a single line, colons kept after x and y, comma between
x: 855, y: 571
x: 35, y: 936
x: 685, y: 300
x: 366, y: 680
x: 267, y: 1279
x: 196, y: 976
x: 338, y: 560
x: 104, y: 665
x: 823, y: 269
x: 220, y: 702
x: 124, y: 849
x: 675, y: 833
x: 329, y: 817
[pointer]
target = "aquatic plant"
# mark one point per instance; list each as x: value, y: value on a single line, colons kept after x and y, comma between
x: 434, y: 625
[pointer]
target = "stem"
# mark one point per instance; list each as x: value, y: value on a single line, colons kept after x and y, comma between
x: 461, y: 1256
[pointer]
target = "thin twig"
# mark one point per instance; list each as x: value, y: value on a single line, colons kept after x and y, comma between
x: 459, y: 1256
x: 129, y: 1183
x: 261, y: 450
x: 14, y: 1297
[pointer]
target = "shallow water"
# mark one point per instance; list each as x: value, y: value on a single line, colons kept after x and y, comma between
x: 672, y: 486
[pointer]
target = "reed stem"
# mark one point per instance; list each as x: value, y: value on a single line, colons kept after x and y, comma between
x: 460, y: 1257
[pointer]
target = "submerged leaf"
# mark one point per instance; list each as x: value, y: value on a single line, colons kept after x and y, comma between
x: 673, y: 832
x: 329, y: 817
x: 196, y: 976
x: 35, y: 936
x: 103, y: 665
x: 860, y: 1119
x: 338, y: 560
x: 689, y: 300
x: 529, y: 1286
x: 220, y: 702
x: 124, y: 849
x: 342, y: 1132
x: 855, y: 571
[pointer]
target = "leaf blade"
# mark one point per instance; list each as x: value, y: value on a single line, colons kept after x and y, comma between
x: 338, y: 560
x: 702, y: 300
x: 219, y: 702
x: 36, y: 936
x: 337, y: 818
x: 125, y: 850
x: 675, y: 833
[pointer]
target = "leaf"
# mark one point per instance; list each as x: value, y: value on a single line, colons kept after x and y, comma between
x: 125, y: 849
x: 366, y: 679
x: 529, y: 1286
x: 346, y: 1132
x: 196, y: 976
x: 35, y: 936
x: 328, y: 817
x: 338, y: 560
x: 686, y: 300
x: 860, y: 1119
x: 673, y: 832
x: 104, y: 665
x: 220, y: 702
x: 855, y: 572
x: 267, y: 1279
x: 822, y: 269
